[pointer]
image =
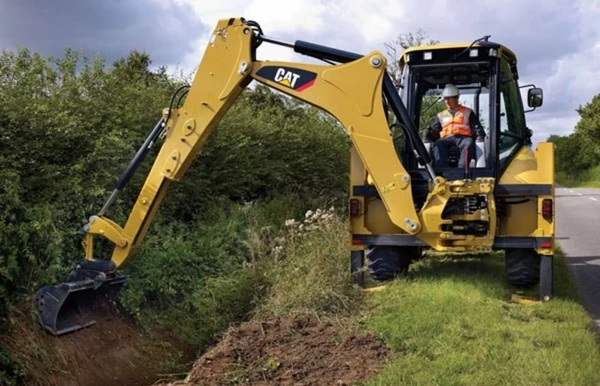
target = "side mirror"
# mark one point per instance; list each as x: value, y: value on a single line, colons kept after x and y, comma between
x: 535, y: 97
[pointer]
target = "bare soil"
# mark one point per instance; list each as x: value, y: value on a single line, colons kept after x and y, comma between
x: 301, y: 351
x: 111, y: 352
x: 285, y: 351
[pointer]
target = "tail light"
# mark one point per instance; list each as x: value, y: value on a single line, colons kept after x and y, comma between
x: 354, y: 207
x: 547, y: 209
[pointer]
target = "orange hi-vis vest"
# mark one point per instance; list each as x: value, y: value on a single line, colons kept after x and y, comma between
x: 457, y: 124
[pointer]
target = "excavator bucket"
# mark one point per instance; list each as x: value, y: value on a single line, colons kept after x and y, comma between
x: 71, y: 306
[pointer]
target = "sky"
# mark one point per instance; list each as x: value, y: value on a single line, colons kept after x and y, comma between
x: 557, y: 43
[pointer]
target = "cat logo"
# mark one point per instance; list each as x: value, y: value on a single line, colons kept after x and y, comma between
x: 286, y: 78
x: 294, y: 78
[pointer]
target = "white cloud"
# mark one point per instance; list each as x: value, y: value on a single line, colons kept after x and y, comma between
x: 106, y: 28
x: 557, y: 43
x: 288, y: 16
x: 543, y: 128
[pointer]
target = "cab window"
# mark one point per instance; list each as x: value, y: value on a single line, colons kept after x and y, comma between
x: 512, y: 120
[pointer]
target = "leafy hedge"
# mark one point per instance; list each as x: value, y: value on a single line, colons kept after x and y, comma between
x: 69, y: 126
x: 579, y: 151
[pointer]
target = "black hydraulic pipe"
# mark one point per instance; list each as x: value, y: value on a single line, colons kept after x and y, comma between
x: 389, y: 90
x: 476, y: 100
x: 276, y: 41
x: 340, y: 56
x: 133, y: 165
x: 324, y: 52
x: 139, y: 156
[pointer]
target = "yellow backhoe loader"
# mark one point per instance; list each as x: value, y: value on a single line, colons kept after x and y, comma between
x: 400, y: 201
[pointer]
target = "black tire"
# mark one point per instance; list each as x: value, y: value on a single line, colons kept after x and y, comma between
x: 522, y: 267
x: 387, y: 262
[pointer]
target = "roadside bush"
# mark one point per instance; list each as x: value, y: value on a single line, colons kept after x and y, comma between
x: 199, y: 277
x: 63, y: 133
x: 311, y: 274
x: 69, y: 127
x: 264, y: 150
x: 11, y: 373
x: 26, y: 232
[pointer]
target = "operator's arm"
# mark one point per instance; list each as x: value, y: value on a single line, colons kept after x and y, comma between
x: 434, y: 130
x: 476, y: 126
x: 436, y: 126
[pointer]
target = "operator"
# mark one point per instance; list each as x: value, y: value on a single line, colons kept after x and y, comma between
x: 457, y: 125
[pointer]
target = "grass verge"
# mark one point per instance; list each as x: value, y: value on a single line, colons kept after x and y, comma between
x: 585, y: 179
x: 451, y: 322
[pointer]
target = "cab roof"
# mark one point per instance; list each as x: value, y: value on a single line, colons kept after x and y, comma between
x: 502, y: 50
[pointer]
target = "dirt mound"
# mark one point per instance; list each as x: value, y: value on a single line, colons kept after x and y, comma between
x: 111, y: 352
x: 303, y: 351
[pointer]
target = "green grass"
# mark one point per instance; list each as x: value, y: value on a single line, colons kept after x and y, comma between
x: 451, y: 322
x: 586, y: 179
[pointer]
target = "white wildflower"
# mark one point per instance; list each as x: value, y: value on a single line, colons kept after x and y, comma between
x: 291, y: 223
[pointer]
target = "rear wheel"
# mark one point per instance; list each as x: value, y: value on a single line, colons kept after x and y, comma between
x: 387, y: 262
x: 522, y: 267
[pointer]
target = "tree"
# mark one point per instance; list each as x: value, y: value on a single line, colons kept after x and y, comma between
x: 430, y: 107
x: 580, y: 150
x: 589, y: 124
x: 395, y: 48
x: 574, y: 153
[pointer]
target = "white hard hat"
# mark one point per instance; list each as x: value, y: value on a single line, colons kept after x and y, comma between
x: 450, y: 91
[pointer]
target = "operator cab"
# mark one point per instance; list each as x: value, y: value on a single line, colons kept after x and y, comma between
x: 486, y: 75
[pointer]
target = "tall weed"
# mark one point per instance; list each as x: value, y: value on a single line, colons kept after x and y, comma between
x: 311, y: 273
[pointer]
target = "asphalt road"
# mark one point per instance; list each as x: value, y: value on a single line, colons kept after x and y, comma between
x: 578, y: 233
